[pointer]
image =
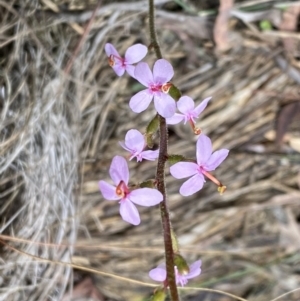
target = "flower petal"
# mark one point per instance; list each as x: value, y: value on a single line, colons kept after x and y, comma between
x: 111, y: 50
x: 185, y: 104
x: 150, y: 155
x: 130, y: 70
x: 192, y: 185
x: 143, y: 74
x: 135, y: 140
x: 145, y: 196
x: 162, y: 71
x: 124, y: 146
x: 203, y: 149
x: 135, y: 53
x: 176, y: 118
x: 165, y: 105
x: 216, y: 159
x: 158, y: 274
x: 108, y: 191
x: 140, y: 101
x: 182, y: 170
x: 202, y: 106
x: 119, y: 69
x: 129, y: 212
x: 195, y: 269
x: 119, y: 170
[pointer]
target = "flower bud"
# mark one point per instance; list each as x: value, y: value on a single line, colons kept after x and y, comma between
x: 175, y: 244
x: 174, y: 92
x: 159, y: 295
x: 151, y: 130
x: 153, y: 125
x: 175, y: 158
x: 182, y: 267
x: 150, y: 184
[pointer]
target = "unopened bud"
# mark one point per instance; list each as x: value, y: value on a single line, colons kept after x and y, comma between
x: 176, y: 158
x: 152, y: 127
x: 174, y: 92
x: 148, y: 184
x: 159, y: 295
x: 151, y: 130
x: 182, y: 267
x: 149, y: 141
x: 175, y: 244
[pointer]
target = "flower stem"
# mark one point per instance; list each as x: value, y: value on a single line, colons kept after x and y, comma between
x: 160, y: 174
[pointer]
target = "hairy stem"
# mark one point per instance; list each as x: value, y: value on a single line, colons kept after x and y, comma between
x: 160, y: 174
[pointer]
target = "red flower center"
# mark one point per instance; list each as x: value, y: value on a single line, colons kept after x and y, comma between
x: 122, y: 190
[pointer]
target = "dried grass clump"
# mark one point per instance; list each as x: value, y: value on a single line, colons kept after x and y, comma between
x: 38, y: 155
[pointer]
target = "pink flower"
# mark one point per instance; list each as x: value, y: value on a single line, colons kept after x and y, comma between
x: 119, y: 173
x: 135, y: 144
x: 157, y: 87
x: 186, y: 106
x: 206, y: 161
x: 160, y: 273
x: 133, y: 55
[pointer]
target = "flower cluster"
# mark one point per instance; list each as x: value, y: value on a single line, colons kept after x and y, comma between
x: 158, y: 87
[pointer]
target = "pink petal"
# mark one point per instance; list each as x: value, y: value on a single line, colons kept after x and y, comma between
x: 145, y: 197
x: 165, y: 105
x: 111, y: 50
x: 108, y: 191
x: 202, y: 106
x: 182, y: 170
x: 195, y: 270
x: 185, y: 104
x: 216, y: 159
x: 192, y: 185
x: 135, y: 140
x: 129, y: 212
x: 119, y: 69
x: 203, y: 149
x: 130, y: 70
x: 119, y: 170
x: 150, y: 155
x: 143, y: 74
x: 135, y: 53
x: 176, y: 118
x: 158, y: 274
x: 162, y: 71
x: 140, y: 101
x: 124, y: 146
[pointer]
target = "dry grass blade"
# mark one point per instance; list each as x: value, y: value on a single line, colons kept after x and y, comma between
x: 39, y: 149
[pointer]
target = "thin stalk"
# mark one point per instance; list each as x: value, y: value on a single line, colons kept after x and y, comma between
x: 160, y: 174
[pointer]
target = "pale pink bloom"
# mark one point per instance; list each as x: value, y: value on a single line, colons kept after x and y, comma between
x: 119, y: 173
x: 135, y: 144
x: 158, y: 85
x: 206, y: 161
x: 186, y: 106
x: 133, y: 54
x: 160, y: 274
